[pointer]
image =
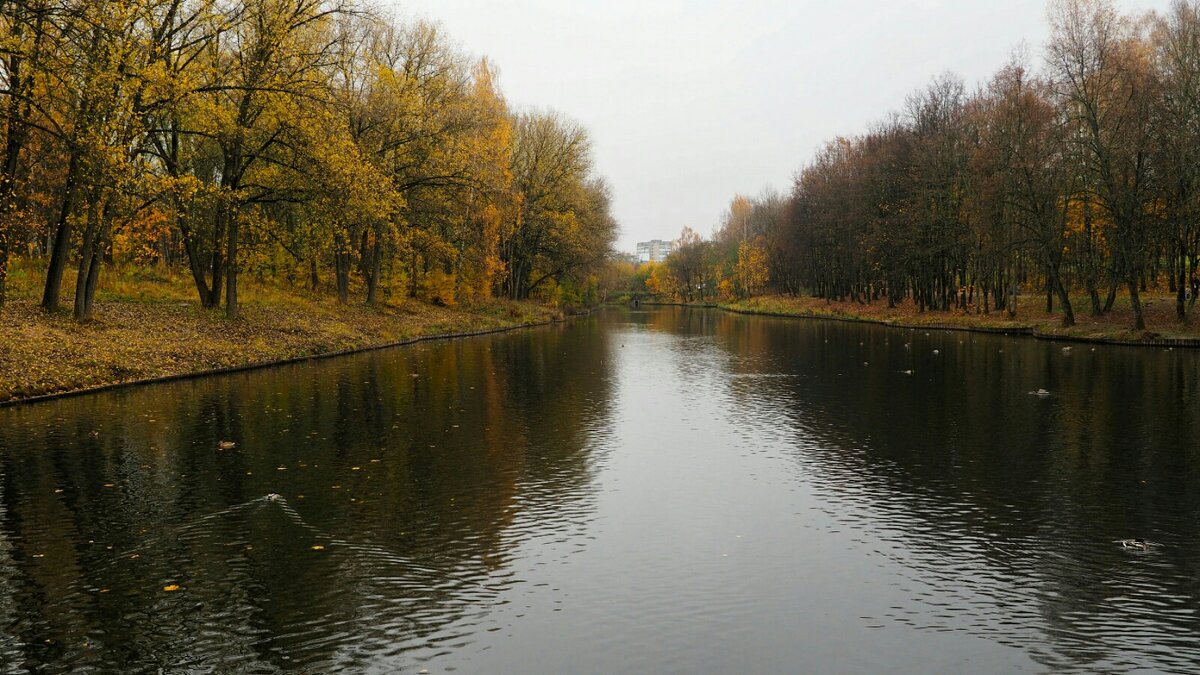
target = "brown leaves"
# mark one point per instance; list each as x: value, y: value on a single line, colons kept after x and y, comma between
x: 131, y: 340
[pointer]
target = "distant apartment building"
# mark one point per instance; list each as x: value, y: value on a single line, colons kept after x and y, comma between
x: 653, y: 251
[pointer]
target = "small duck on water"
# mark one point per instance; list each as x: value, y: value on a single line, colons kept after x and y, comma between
x: 1136, y: 544
x: 274, y: 496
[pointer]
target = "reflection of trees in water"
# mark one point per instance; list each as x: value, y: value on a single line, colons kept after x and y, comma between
x: 418, y: 487
x: 1003, y: 501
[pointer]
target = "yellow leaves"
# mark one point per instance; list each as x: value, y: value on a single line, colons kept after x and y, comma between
x: 318, y: 547
x: 752, y: 271
x: 439, y: 288
x: 661, y: 281
x: 140, y: 240
x: 171, y: 588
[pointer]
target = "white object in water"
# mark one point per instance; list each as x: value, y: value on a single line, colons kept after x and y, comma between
x: 1137, y: 544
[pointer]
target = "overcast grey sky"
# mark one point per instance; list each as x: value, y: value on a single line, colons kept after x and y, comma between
x: 691, y: 101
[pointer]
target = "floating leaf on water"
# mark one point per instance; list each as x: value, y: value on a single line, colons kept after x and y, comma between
x: 171, y: 588
x: 318, y: 547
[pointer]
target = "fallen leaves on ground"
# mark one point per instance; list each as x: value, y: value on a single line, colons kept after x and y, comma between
x: 128, y: 341
x: 1159, y: 313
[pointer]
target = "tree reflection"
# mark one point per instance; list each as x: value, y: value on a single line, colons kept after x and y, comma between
x: 413, y: 472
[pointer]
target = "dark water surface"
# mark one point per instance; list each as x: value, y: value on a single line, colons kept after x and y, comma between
x: 664, y: 491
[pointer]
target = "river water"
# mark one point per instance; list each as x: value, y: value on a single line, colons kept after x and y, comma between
x: 664, y: 491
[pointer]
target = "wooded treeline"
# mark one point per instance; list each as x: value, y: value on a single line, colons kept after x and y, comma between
x: 1081, y: 178
x: 297, y: 139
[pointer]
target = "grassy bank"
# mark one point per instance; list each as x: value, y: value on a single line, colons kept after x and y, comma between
x: 147, y: 326
x: 1031, y: 318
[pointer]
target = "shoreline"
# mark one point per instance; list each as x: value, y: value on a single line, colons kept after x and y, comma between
x: 49, y: 357
x: 261, y: 365
x: 1020, y: 330
x: 550, y: 318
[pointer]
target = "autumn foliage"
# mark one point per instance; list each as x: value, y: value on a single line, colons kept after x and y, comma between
x: 1076, y: 178
x: 317, y: 141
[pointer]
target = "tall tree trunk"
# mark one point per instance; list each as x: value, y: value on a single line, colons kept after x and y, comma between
x: 1064, y: 299
x: 1112, y: 294
x: 1193, y: 282
x: 218, y: 270
x: 85, y: 298
x: 14, y: 140
x: 1094, y: 296
x: 341, y: 269
x: 1181, y: 282
x: 89, y: 257
x: 8, y: 202
x: 231, y: 266
x: 231, y: 180
x: 195, y: 264
x: 52, y: 293
x: 1135, y: 301
x: 8, y: 199
x: 372, y: 266
x: 191, y: 248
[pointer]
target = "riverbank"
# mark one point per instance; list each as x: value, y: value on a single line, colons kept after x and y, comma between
x: 1113, y: 328
x: 158, y: 336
